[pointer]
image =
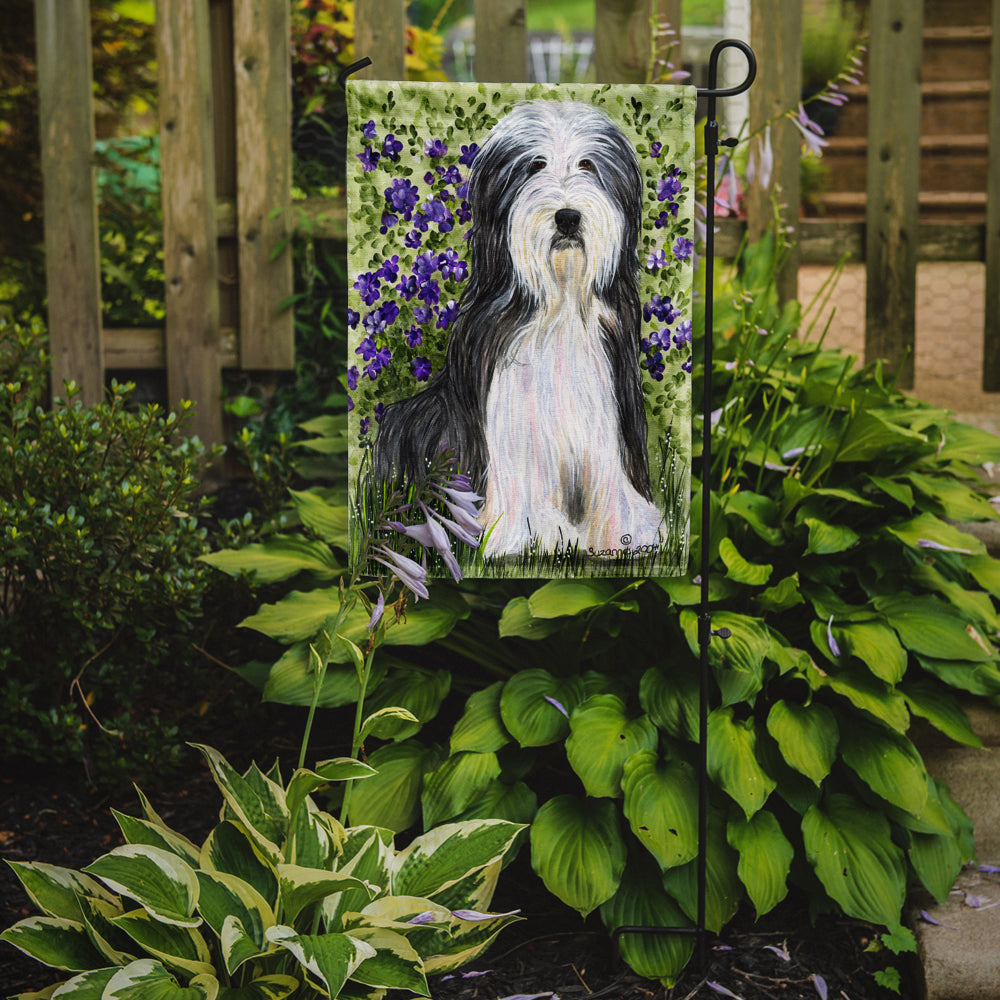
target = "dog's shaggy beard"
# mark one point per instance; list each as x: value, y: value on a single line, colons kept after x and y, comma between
x: 540, y: 395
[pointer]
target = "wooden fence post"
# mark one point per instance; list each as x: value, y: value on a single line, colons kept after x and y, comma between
x: 501, y: 41
x: 991, y: 333
x: 262, y: 60
x: 190, y: 251
x: 380, y: 34
x: 72, y: 255
x: 893, y: 183
x: 622, y: 40
x: 776, y: 34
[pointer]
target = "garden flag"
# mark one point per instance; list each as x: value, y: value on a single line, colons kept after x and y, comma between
x: 520, y: 264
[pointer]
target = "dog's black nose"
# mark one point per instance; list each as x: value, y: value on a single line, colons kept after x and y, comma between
x: 567, y: 221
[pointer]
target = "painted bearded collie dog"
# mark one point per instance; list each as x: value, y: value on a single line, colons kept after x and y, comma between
x: 540, y: 395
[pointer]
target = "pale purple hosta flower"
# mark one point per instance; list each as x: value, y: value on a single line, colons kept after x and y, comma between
x: 411, y: 573
x: 439, y: 541
x: 476, y: 915
x: 780, y: 952
x: 927, y: 543
x: 377, y: 611
x: 557, y: 704
x: 820, y: 984
x: 834, y: 648
x: 427, y: 917
x: 811, y: 132
x: 760, y: 166
x: 719, y: 988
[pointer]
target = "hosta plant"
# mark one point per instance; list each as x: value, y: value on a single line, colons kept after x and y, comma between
x: 279, y: 900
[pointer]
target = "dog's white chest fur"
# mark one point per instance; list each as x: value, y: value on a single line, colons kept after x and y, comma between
x: 555, y: 468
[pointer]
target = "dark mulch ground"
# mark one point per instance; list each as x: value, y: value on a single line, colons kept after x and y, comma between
x: 551, y: 951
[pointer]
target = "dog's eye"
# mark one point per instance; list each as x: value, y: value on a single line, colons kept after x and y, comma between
x: 536, y: 164
x: 587, y: 165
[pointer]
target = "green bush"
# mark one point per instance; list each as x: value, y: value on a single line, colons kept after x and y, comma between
x: 854, y: 605
x: 99, y: 542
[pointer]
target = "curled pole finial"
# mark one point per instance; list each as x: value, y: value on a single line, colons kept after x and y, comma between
x: 348, y: 70
x: 713, y: 90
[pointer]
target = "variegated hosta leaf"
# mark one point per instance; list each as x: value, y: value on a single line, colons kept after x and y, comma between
x: 147, y: 979
x: 116, y: 946
x: 56, y: 891
x: 158, y: 880
x: 441, y: 857
x: 329, y: 959
x: 661, y: 799
x: 225, y: 897
x: 367, y: 853
x: 578, y: 851
x: 87, y: 986
x: 765, y: 858
x: 807, y: 736
x: 141, y: 831
x: 275, y: 987
x: 238, y: 944
x: 300, y: 887
x: 467, y: 940
x: 54, y: 941
x: 602, y: 737
x: 732, y: 760
x: 177, y: 947
x: 476, y: 890
x: 256, y: 801
x: 304, y: 782
x: 230, y: 849
x: 850, y: 847
x: 315, y: 839
x: 642, y: 902
x: 481, y: 727
x: 395, y: 964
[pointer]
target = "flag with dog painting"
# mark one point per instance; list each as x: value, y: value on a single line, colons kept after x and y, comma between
x: 521, y: 262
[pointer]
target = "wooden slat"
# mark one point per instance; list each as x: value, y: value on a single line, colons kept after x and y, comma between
x: 501, y: 41
x: 621, y: 40
x: 893, y: 184
x: 776, y: 36
x: 991, y: 332
x: 190, y: 254
x: 72, y: 257
x: 144, y: 348
x: 262, y: 61
x: 380, y: 34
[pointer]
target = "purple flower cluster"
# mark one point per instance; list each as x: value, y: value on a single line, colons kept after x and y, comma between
x: 662, y: 340
x: 669, y: 190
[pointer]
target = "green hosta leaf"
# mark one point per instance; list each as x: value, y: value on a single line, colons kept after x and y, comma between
x: 527, y: 711
x: 888, y: 763
x: 723, y: 889
x: 56, y: 891
x: 893, y: 488
x: 738, y: 661
x: 225, y: 897
x: 441, y: 857
x: 416, y: 689
x: 807, y: 736
x: 931, y: 628
x: 850, y: 847
x: 937, y: 859
x: 517, y: 620
x: 230, y: 849
x: 758, y: 511
x: 578, y: 851
x: 765, y: 858
x: 661, y: 798
x: 395, y: 964
x: 783, y: 595
x: 751, y: 574
x: 159, y: 881
x: 177, y: 947
x: 965, y: 443
x: 876, y: 646
x: 602, y: 738
x: 301, y: 887
x: 684, y: 591
x: 141, y: 831
x: 976, y: 605
x: 391, y: 798
x: 386, y: 723
x: 870, y: 436
x: 671, y: 699
x: 515, y: 803
x: 986, y: 571
x: 456, y: 784
x: 481, y: 728
x: 641, y: 901
x: 279, y: 558
x: 147, y: 979
x: 558, y: 598
x: 927, y: 528
x: 732, y: 760
x: 941, y: 709
x: 274, y: 987
x: 330, y: 959
x: 260, y: 809
x: 957, y: 501
x: 54, y: 941
x: 976, y: 678
x: 292, y: 679
x: 865, y: 692
x: 827, y: 539
x: 327, y: 520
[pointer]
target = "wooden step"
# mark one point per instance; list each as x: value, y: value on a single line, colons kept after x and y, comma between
x: 947, y: 107
x: 956, y: 53
x: 957, y: 206
x: 940, y: 13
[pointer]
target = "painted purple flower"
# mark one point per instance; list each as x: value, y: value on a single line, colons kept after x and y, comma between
x: 368, y: 285
x: 683, y: 334
x: 413, y: 239
x: 389, y: 269
x: 391, y: 147
x: 688, y: 365
x: 379, y: 412
x: 425, y: 265
x: 350, y: 404
x: 464, y: 212
x: 368, y: 130
x: 366, y: 349
x: 414, y: 336
x: 669, y: 187
x: 421, y: 369
x: 663, y: 219
x: 388, y: 221
x: 353, y: 318
x: 655, y: 148
x: 368, y: 158
x: 448, y: 313
x: 656, y: 260
x: 402, y: 195
x: 423, y: 314
x: 430, y: 292
x: 452, y: 266
x: 352, y: 377
x: 407, y: 287
x: 654, y: 365
x: 437, y: 211
x: 364, y: 425
x: 683, y: 248
x: 452, y: 175
x: 468, y: 154
x: 435, y: 148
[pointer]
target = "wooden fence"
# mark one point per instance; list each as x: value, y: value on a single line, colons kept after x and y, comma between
x: 226, y: 160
